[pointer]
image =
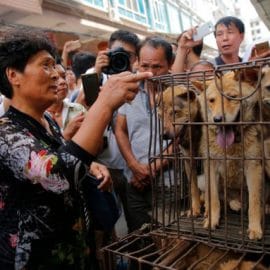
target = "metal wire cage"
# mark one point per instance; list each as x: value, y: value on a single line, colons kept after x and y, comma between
x: 203, y: 115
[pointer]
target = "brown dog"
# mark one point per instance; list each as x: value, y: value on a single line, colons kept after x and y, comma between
x: 265, y: 88
x: 231, y: 150
x: 177, y: 107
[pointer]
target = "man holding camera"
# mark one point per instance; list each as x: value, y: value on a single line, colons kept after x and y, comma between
x: 121, y: 56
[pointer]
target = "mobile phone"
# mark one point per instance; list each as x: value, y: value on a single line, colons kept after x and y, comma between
x: 90, y: 84
x: 203, y: 31
x: 262, y: 47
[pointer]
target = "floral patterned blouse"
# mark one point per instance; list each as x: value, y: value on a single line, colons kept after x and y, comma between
x: 38, y: 211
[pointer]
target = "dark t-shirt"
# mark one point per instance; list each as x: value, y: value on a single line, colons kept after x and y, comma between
x: 219, y: 61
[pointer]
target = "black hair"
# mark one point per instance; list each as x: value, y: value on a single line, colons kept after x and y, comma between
x: 58, y: 60
x: 228, y: 20
x: 16, y: 48
x: 126, y: 37
x: 158, y: 42
x: 81, y: 61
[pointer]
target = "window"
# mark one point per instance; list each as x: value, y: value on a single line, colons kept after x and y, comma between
x: 135, y: 5
x: 186, y: 21
x: 159, y: 15
x: 133, y: 9
x: 95, y: 3
x: 174, y: 22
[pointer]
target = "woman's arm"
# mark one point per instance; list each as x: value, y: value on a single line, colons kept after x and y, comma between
x: 116, y: 91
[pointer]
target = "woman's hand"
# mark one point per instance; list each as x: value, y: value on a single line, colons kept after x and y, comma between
x: 121, y: 88
x: 73, y: 125
x: 102, y: 173
x: 116, y: 91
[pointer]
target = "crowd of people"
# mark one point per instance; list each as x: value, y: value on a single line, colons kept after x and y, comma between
x: 50, y: 140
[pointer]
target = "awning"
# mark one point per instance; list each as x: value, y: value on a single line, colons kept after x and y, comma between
x: 31, y: 6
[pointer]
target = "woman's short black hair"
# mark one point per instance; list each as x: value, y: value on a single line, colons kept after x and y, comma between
x: 16, y: 47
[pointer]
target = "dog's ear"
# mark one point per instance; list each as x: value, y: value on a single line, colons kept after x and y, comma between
x: 249, y: 75
x: 189, y: 95
x: 200, y: 85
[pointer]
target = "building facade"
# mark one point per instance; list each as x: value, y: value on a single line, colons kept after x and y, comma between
x: 93, y: 21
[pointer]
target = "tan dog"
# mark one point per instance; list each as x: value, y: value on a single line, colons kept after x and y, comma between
x: 265, y: 88
x: 231, y: 141
x: 177, y: 107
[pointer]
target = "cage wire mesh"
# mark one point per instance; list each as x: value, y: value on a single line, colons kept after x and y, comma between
x: 211, y: 204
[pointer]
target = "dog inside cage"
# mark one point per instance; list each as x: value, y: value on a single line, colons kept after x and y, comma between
x: 212, y: 210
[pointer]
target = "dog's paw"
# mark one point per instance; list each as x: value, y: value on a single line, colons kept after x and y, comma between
x: 214, y: 223
x: 254, y: 234
x: 193, y: 213
x: 235, y: 205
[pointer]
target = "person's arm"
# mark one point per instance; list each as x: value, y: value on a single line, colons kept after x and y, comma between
x: 116, y: 91
x: 140, y: 171
x: 185, y: 44
x: 69, y: 46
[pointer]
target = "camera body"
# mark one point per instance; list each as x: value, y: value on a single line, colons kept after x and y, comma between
x: 119, y: 61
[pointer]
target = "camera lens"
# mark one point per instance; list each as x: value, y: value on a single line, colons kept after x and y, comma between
x: 120, y: 62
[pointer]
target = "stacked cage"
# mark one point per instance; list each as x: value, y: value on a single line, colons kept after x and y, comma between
x: 211, y: 204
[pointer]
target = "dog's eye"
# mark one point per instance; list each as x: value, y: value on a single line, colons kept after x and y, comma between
x: 268, y: 88
x: 232, y: 96
x: 211, y: 100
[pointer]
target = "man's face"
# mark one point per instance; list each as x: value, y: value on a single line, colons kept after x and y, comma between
x: 228, y: 39
x: 154, y: 60
x: 127, y: 47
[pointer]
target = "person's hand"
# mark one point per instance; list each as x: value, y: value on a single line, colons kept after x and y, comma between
x: 138, y: 184
x: 102, y: 61
x: 121, y: 88
x: 140, y: 170
x: 185, y: 41
x: 71, y: 46
x: 102, y: 173
x: 73, y: 125
x: 255, y: 55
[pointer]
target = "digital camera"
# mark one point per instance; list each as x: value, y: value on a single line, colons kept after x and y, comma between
x: 119, y: 61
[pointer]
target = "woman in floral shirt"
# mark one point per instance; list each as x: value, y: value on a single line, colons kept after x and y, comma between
x: 38, y: 196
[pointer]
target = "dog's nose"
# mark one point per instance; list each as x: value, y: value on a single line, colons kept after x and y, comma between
x: 218, y: 119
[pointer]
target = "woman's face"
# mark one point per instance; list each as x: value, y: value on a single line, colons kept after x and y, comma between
x: 62, y: 88
x: 37, y: 84
x: 70, y: 79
